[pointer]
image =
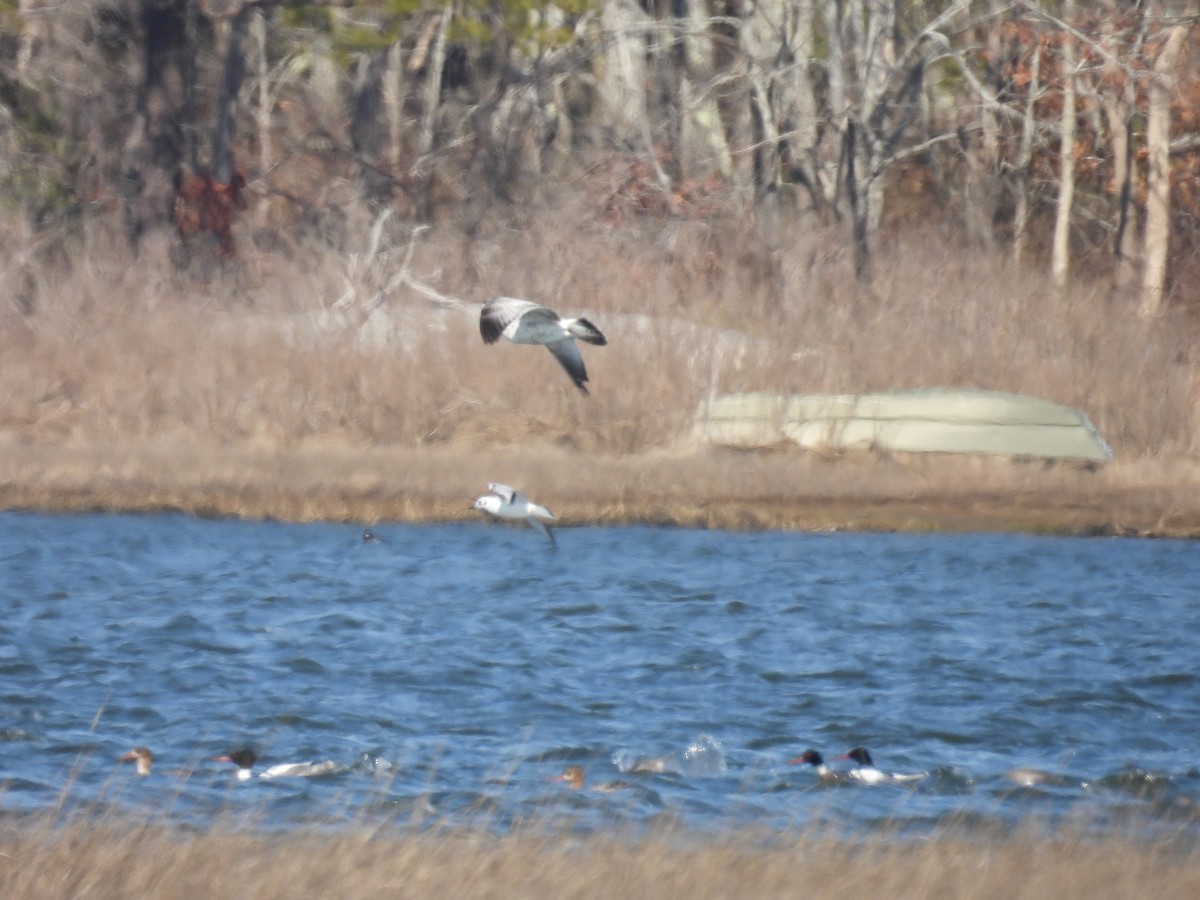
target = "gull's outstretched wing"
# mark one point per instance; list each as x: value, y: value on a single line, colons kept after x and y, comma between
x: 539, y: 526
x: 500, y: 312
x: 569, y: 358
x: 504, y: 492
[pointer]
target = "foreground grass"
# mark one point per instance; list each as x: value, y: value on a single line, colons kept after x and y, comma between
x: 132, y: 860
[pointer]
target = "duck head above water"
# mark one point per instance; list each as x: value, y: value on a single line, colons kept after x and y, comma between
x: 140, y: 755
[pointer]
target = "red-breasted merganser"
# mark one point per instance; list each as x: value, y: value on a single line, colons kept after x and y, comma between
x: 140, y: 755
x: 245, y: 759
x: 575, y: 779
x: 866, y: 772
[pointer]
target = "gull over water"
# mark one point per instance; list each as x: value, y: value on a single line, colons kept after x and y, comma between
x: 525, y: 322
x: 505, y: 502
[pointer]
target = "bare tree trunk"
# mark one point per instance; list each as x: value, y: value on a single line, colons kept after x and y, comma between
x: 1060, y: 251
x: 1025, y: 158
x: 1118, y: 110
x: 777, y: 42
x: 868, y: 57
x: 1158, y: 179
x: 703, y: 148
x: 393, y: 105
x: 433, y: 82
x: 263, y: 108
x: 156, y: 147
x: 34, y: 22
x: 621, y: 81
x: 231, y: 86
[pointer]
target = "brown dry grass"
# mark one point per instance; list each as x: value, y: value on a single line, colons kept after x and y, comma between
x: 130, y: 386
x: 132, y: 859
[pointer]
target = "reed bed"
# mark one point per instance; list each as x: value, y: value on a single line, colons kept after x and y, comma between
x: 130, y: 385
x: 131, y: 858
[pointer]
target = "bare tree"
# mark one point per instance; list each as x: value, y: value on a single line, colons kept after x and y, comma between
x: 156, y: 147
x: 1119, y: 107
x: 1158, y: 185
x: 1060, y: 250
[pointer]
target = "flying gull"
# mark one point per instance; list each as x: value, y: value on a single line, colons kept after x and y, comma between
x: 524, y: 322
x: 508, y: 503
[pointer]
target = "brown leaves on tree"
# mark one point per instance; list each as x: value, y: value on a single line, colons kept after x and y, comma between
x: 206, y: 207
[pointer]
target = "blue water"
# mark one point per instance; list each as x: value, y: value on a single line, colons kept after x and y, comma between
x: 451, y: 671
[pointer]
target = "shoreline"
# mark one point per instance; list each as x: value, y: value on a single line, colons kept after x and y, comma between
x: 691, y: 487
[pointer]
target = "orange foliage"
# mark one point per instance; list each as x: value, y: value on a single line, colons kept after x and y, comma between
x: 205, y: 206
x: 1108, y: 53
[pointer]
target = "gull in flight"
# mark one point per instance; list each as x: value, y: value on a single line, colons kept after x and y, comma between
x: 524, y: 322
x: 508, y: 503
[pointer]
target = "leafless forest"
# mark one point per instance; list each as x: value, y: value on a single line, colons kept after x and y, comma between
x: 265, y: 221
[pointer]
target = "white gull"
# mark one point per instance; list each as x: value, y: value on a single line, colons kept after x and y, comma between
x: 505, y: 502
x: 525, y: 322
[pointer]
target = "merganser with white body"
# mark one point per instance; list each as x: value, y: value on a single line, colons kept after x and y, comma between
x: 525, y: 322
x: 866, y: 772
x: 505, y: 502
x: 655, y: 764
x: 245, y: 759
x: 813, y: 758
x: 575, y: 779
x: 140, y: 755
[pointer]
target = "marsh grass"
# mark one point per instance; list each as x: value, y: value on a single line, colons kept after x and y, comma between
x: 123, y: 856
x: 252, y: 380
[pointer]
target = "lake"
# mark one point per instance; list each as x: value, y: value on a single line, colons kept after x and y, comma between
x: 450, y: 672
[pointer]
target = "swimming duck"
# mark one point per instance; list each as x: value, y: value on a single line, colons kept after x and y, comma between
x: 140, y: 755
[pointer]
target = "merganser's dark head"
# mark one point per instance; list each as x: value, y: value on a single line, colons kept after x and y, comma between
x: 860, y: 755
x: 243, y: 758
x: 808, y: 757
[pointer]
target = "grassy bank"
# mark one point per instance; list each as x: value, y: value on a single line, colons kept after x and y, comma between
x: 692, y: 488
x: 133, y: 860
x: 307, y: 382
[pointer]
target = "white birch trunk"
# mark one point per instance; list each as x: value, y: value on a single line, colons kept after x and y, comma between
x: 703, y: 145
x: 1024, y: 158
x: 1158, y: 179
x: 433, y: 83
x: 393, y: 106
x: 1060, y: 251
x: 621, y: 81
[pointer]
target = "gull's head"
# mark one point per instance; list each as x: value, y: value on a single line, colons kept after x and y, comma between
x: 488, y: 503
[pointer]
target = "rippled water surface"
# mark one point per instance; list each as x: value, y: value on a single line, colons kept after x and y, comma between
x: 451, y: 671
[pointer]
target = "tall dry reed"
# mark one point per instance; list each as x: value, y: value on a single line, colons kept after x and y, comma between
x: 127, y: 858
x: 263, y: 353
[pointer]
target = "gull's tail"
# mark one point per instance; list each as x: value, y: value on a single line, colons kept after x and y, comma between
x: 586, y: 331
